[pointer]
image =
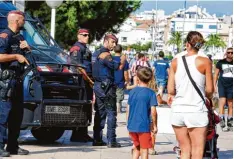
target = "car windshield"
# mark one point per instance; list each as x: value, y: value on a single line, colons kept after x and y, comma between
x: 44, y: 48
x: 45, y: 54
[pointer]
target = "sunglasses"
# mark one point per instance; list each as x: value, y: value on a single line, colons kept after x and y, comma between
x: 85, y: 35
x: 230, y: 52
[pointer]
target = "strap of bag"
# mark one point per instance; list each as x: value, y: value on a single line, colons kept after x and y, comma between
x: 191, y: 79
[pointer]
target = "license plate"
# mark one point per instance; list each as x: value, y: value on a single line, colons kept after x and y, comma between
x: 57, y: 110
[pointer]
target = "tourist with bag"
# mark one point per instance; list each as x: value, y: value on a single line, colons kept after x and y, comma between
x: 189, y: 116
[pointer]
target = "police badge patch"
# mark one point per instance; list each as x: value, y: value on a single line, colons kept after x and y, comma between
x: 3, y: 35
x: 74, y: 53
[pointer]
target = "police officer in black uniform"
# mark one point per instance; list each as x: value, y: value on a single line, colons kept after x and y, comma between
x: 82, y: 55
x: 105, y: 92
x: 12, y: 48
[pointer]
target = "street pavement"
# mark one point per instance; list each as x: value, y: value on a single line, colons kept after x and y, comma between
x: 64, y: 149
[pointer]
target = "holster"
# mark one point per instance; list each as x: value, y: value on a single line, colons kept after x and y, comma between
x: 6, y: 84
x: 105, y: 91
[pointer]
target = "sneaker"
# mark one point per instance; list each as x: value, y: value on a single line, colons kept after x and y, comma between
x: 19, y: 151
x: 222, y: 122
x: 4, y: 153
x: 230, y: 122
x: 113, y: 145
x: 99, y: 143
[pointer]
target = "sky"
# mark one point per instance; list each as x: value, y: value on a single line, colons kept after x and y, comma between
x: 213, y: 7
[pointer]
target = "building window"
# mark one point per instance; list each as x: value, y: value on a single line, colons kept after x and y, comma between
x: 142, y: 38
x: 199, y: 26
x: 124, y: 39
x: 212, y: 26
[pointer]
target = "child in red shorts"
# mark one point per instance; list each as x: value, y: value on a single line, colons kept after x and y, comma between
x: 142, y: 104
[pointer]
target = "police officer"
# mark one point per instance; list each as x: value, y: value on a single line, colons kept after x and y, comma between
x: 105, y: 91
x: 82, y: 55
x: 12, y: 46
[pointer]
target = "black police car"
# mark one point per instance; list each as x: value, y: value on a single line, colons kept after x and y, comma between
x: 54, y: 93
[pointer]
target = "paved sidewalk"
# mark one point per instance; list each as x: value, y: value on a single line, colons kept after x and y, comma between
x: 63, y: 148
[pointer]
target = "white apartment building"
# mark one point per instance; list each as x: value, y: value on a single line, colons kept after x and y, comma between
x: 132, y: 33
x: 143, y: 28
x: 194, y: 18
x: 198, y: 19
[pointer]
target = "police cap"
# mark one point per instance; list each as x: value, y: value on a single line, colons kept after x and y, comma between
x: 82, y: 31
x: 112, y: 36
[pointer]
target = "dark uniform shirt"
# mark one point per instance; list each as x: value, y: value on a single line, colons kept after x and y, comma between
x: 10, y: 44
x: 81, y: 54
x: 104, y: 68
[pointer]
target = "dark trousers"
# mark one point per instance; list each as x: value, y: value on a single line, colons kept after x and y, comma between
x: 105, y: 108
x: 11, y: 115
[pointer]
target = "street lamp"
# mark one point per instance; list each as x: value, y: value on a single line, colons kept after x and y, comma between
x: 53, y: 5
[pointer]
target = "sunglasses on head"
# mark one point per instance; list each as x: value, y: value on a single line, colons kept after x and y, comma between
x: 230, y: 52
x: 85, y: 35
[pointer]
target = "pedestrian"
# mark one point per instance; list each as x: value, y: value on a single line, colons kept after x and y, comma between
x: 12, y: 61
x: 105, y: 91
x: 189, y: 116
x: 121, y: 78
x: 131, y: 62
x: 151, y: 85
x: 140, y: 62
x: 161, y: 68
x: 224, y: 76
x: 135, y: 65
x: 80, y: 54
x: 141, y: 111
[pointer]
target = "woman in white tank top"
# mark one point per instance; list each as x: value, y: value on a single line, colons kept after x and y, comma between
x: 189, y: 116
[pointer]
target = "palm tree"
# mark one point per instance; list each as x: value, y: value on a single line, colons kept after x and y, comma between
x: 214, y: 40
x: 176, y: 39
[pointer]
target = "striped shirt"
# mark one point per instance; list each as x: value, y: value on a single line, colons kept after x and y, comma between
x: 138, y: 63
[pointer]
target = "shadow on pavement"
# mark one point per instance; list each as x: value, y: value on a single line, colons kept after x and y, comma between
x: 124, y: 141
x: 166, y: 153
x: 86, y: 149
x: 121, y: 124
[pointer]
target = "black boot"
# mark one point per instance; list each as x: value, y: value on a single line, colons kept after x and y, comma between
x: 88, y: 138
x: 81, y: 135
x: 83, y: 138
x: 19, y: 151
x: 99, y: 143
x: 4, y: 153
x: 113, y: 145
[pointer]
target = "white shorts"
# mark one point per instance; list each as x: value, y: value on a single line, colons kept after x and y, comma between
x: 190, y: 120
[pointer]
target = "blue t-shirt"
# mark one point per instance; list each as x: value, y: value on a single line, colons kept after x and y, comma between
x: 161, y: 67
x: 119, y: 74
x: 140, y: 101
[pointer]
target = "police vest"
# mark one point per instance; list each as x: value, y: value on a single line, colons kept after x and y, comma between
x: 86, y: 56
x: 100, y: 71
